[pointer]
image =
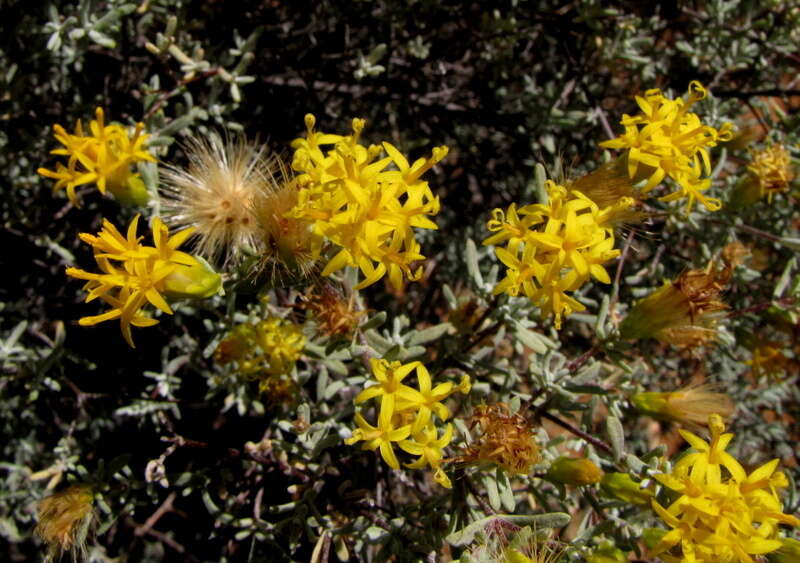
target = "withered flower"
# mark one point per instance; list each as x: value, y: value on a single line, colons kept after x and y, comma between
x: 683, y: 312
x: 505, y: 440
x: 335, y: 315
x: 64, y: 521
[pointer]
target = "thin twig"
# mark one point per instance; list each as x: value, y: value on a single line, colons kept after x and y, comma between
x: 165, y: 507
x: 596, y: 442
x: 482, y: 501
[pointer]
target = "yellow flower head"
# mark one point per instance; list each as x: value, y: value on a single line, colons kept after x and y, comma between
x: 104, y: 157
x: 768, y: 359
x: 683, y: 312
x: 772, y: 168
x: 505, y: 440
x: 407, y: 416
x: 64, y: 521
x: 722, y: 513
x: 355, y: 203
x: 552, y: 248
x: 267, y: 348
x: 666, y: 139
x: 134, y: 274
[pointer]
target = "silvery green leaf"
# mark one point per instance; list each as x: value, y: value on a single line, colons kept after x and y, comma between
x: 492, y: 492
x: 450, y: 297
x: 785, y: 278
x: 529, y: 338
x: 428, y: 334
x: 616, y: 435
x: 472, y: 263
x: 374, y: 321
x: 506, y: 492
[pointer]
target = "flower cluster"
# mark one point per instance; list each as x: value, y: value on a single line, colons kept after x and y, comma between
x: 684, y: 312
x: 666, y: 139
x: 360, y: 206
x: 505, y: 439
x: 134, y: 274
x: 266, y: 351
x: 104, y: 157
x: 406, y: 416
x: 554, y: 248
x: 722, y: 513
x: 236, y: 196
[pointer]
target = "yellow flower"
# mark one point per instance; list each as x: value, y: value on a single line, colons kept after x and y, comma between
x: 380, y: 437
x: 428, y: 446
x: 553, y: 248
x: 405, y: 411
x: 64, y: 520
x: 360, y: 206
x: 768, y: 359
x: 141, y: 274
x: 772, y: 169
x: 665, y: 139
x: 263, y: 349
x: 722, y: 514
x: 103, y: 157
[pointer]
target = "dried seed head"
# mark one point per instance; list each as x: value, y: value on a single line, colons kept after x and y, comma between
x: 64, y: 521
x: 335, y: 315
x: 505, y: 440
x: 216, y: 192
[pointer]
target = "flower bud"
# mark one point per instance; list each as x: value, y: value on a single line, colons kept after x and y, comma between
x: 196, y: 281
x: 607, y: 553
x: 574, y: 471
x: 129, y: 190
x: 622, y: 487
x: 789, y: 552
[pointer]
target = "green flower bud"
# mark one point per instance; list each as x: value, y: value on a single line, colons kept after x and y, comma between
x: 652, y: 537
x: 789, y: 552
x: 197, y: 281
x: 622, y: 487
x: 571, y: 471
x: 607, y: 553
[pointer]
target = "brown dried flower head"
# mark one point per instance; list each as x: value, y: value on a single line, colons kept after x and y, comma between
x: 335, y: 315
x: 505, y: 440
x: 64, y: 521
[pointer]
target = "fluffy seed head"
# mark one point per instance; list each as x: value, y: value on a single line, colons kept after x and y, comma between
x: 64, y: 521
x: 216, y: 192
